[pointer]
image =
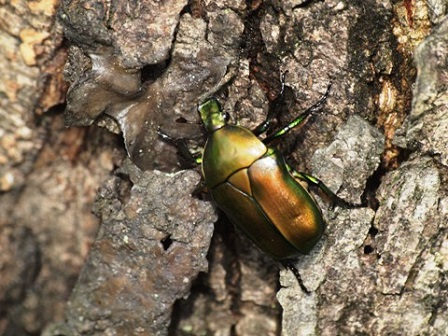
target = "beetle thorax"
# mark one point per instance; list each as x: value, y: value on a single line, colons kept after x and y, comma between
x: 228, y: 150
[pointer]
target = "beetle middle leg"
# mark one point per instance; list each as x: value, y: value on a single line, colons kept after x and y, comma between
x: 322, y: 190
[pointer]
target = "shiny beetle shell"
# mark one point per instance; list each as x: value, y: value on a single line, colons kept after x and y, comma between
x: 253, y: 185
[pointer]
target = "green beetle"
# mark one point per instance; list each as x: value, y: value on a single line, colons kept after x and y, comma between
x: 258, y: 191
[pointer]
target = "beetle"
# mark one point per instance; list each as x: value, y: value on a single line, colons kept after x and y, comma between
x: 255, y: 187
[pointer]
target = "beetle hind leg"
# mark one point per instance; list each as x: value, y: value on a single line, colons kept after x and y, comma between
x: 289, y: 265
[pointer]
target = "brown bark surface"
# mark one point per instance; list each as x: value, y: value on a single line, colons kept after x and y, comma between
x: 141, y: 263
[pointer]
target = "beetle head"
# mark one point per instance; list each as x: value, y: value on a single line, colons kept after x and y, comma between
x: 211, y: 115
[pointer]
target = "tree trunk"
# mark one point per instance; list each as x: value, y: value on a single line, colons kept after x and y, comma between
x: 146, y: 263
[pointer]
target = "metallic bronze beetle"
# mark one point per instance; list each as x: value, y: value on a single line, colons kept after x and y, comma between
x: 258, y: 191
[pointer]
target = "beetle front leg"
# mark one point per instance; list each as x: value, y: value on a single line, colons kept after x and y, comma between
x: 322, y: 190
x: 273, y: 110
x: 182, y: 147
x: 300, y: 119
x: 266, y: 124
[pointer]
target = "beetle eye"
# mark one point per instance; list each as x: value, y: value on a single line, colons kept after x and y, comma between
x: 226, y: 117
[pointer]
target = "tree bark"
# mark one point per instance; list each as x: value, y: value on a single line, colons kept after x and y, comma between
x: 147, y: 264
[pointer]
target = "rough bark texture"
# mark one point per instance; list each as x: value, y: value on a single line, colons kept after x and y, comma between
x: 132, y: 67
x: 46, y: 180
